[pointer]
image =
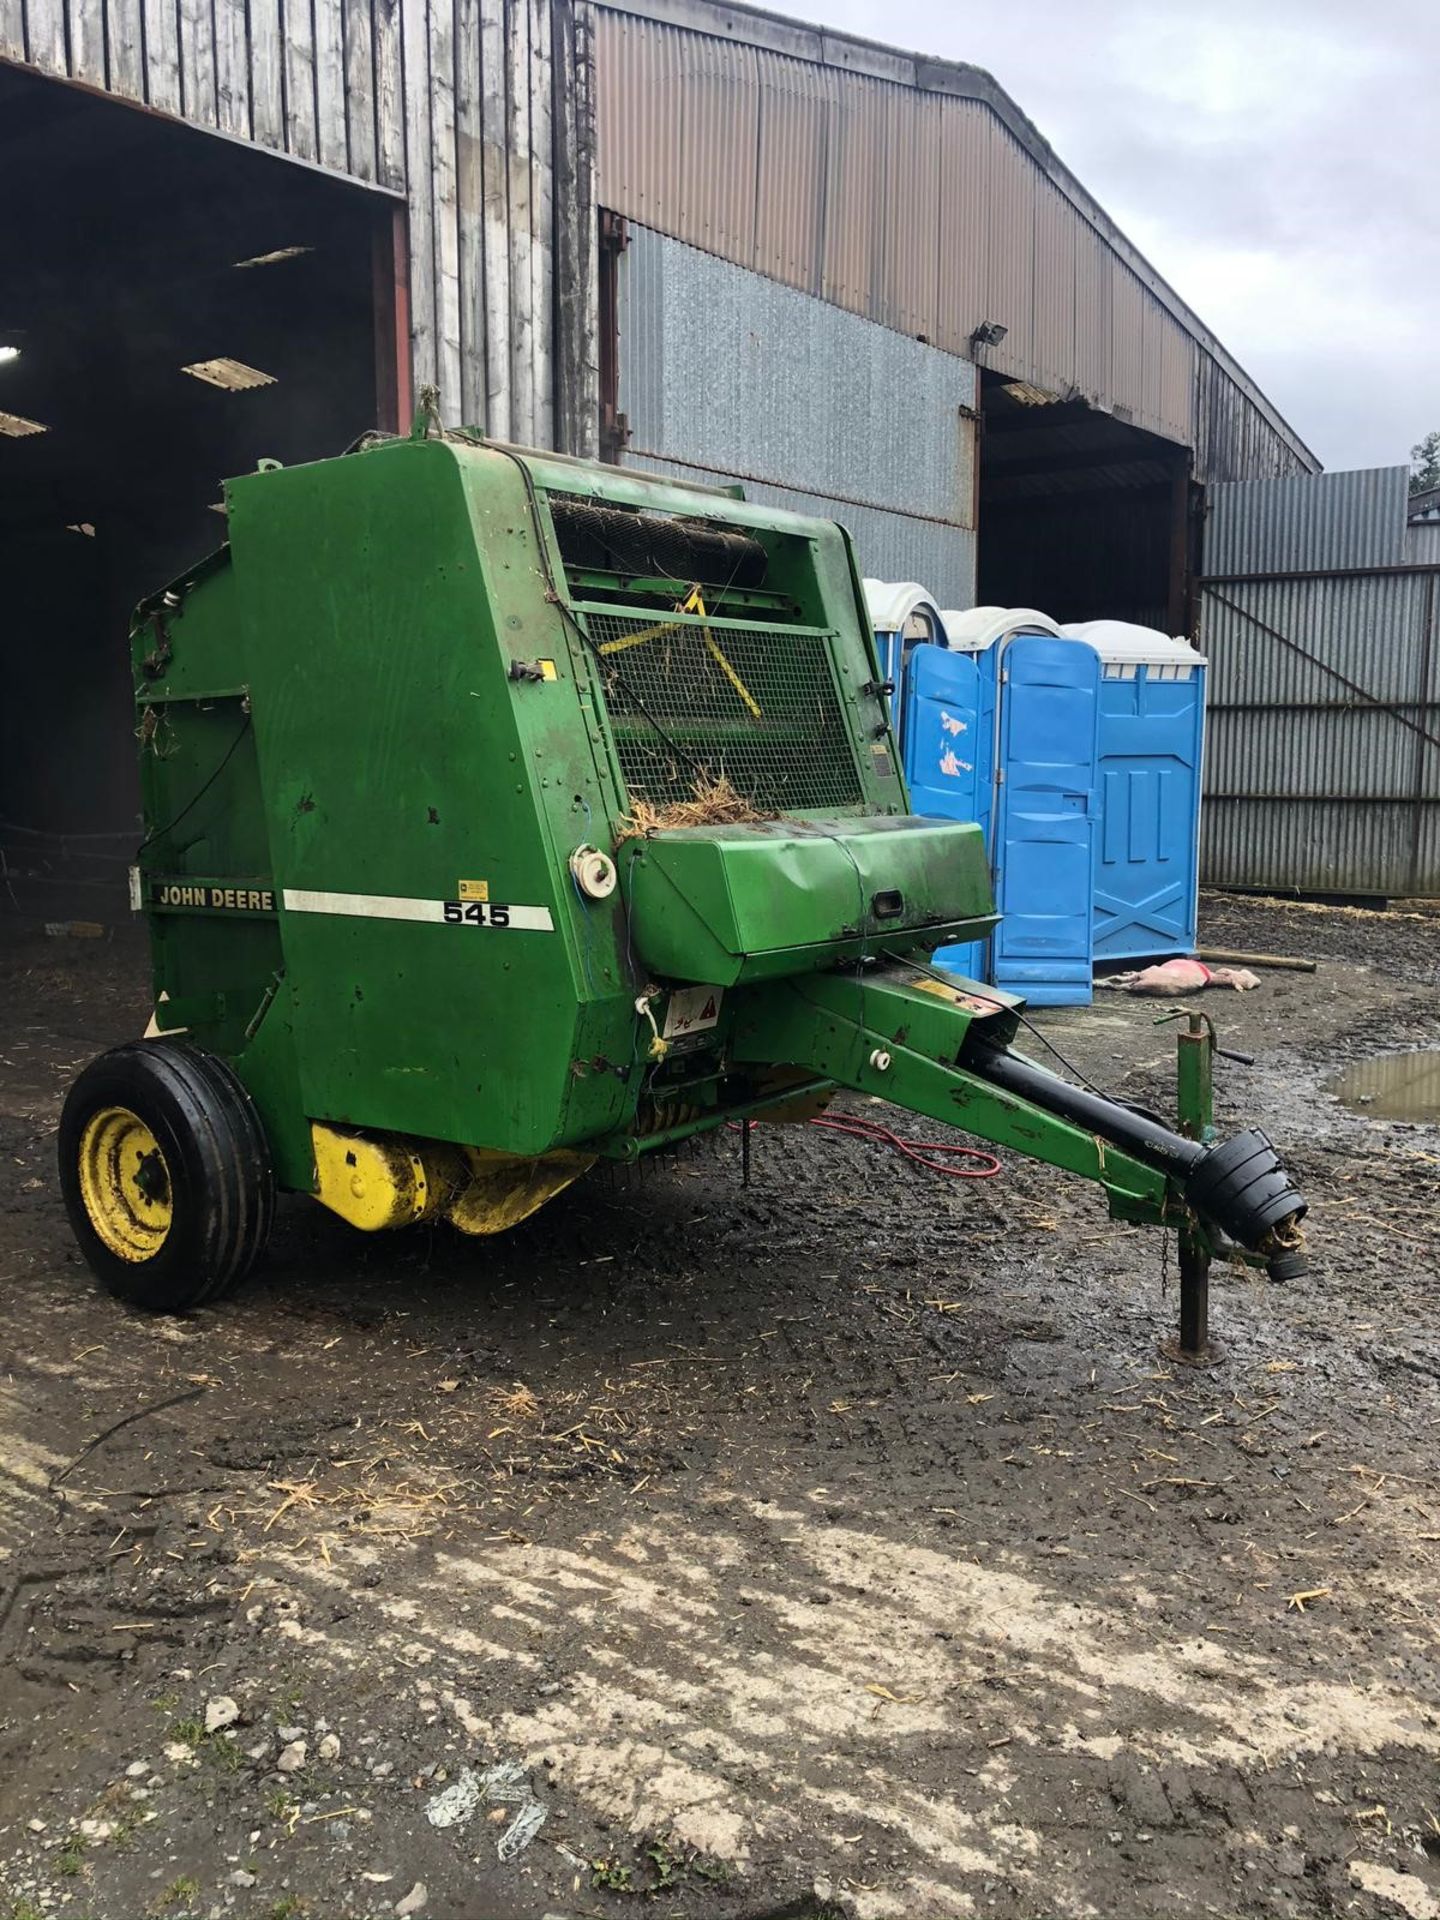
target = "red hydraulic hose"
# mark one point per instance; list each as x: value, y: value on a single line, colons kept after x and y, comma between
x: 925, y: 1153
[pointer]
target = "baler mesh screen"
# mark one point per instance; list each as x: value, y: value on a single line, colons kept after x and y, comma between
x: 691, y: 700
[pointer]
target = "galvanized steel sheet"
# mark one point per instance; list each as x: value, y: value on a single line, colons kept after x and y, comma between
x: 726, y: 375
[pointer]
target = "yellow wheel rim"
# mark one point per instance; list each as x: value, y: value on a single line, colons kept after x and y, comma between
x: 125, y: 1183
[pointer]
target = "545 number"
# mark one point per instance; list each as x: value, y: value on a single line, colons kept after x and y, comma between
x: 476, y: 914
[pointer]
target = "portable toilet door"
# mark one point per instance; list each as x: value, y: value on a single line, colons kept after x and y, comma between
x: 1152, y: 721
x: 1042, y: 833
x: 1000, y: 728
x: 946, y: 724
x: 903, y: 616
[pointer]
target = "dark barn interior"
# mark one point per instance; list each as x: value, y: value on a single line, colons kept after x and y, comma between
x: 1080, y: 514
x: 137, y: 248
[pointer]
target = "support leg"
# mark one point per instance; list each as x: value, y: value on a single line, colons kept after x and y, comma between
x: 1196, y: 1115
x: 1194, y: 1343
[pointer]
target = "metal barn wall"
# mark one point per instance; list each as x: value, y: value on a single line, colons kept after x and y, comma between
x: 1323, y: 753
x: 726, y: 376
x: 915, y: 193
x: 477, y: 113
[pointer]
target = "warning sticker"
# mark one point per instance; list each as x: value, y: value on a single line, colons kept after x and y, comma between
x: 692, y: 1010
x: 473, y: 890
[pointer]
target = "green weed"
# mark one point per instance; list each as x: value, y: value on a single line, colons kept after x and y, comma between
x: 183, y: 1892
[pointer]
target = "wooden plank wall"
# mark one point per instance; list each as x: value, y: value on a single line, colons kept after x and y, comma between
x: 477, y: 113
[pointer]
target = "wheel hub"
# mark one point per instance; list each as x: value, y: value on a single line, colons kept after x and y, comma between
x: 125, y: 1184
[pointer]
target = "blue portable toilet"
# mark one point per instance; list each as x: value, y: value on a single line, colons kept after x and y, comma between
x: 999, y: 724
x: 903, y: 617
x: 1152, y: 732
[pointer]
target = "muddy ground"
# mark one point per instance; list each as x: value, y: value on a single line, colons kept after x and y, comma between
x: 842, y: 1542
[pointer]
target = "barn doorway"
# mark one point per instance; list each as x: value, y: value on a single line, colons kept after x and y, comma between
x: 176, y: 306
x: 1081, y: 514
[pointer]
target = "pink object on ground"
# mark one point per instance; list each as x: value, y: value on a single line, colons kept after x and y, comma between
x: 1171, y: 978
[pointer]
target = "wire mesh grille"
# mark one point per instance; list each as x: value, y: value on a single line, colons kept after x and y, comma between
x: 693, y: 700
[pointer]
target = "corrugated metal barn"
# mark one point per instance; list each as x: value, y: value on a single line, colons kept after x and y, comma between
x: 693, y: 237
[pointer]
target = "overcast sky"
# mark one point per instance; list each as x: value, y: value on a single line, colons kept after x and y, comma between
x: 1274, y: 159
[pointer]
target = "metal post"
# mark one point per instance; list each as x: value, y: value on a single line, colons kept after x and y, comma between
x: 1195, y: 1111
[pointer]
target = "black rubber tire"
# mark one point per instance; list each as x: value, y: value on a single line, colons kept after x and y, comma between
x: 222, y: 1185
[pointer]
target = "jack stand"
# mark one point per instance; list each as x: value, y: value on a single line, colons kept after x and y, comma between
x: 1193, y: 1346
x: 1195, y: 1113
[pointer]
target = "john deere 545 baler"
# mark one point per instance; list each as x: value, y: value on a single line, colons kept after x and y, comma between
x: 506, y: 812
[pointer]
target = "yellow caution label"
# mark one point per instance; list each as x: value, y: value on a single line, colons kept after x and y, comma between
x: 547, y: 670
x: 473, y: 889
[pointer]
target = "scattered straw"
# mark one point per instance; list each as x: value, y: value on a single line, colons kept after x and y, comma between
x: 713, y: 803
x: 516, y: 1402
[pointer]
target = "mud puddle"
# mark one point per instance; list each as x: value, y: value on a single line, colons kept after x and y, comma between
x: 1397, y: 1086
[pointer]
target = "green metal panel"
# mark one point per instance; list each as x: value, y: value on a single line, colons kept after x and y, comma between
x: 730, y: 904
x: 401, y: 769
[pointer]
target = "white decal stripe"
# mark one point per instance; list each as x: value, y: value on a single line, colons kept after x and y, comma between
x: 393, y: 906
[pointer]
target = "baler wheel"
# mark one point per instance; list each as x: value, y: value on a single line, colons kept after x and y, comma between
x: 166, y: 1174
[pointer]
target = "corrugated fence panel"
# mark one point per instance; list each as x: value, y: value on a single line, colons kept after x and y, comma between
x: 1345, y: 847
x: 1315, y: 520
x: 370, y: 90
x: 1323, y: 754
x: 1360, y: 630
x: 708, y: 399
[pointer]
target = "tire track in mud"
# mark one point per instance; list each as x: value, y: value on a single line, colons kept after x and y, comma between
x: 26, y: 1471
x: 779, y: 1675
